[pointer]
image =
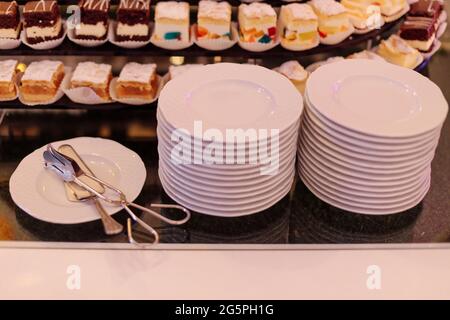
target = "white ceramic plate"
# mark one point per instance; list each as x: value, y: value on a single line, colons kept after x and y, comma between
x: 230, y: 96
x: 376, y: 98
x: 40, y: 192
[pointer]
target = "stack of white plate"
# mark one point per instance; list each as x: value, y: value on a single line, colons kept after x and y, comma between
x: 368, y: 136
x: 198, y: 165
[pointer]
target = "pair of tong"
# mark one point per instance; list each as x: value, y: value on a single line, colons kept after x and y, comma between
x: 69, y: 171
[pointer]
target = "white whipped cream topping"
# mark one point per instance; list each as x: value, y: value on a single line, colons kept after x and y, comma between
x: 395, y: 43
x: 41, y: 70
x: 301, y: 11
x: 92, y: 72
x: 137, y: 72
x: 172, y: 10
x: 215, y: 10
x: 257, y: 10
x: 328, y: 7
x: 7, y: 69
x: 293, y: 70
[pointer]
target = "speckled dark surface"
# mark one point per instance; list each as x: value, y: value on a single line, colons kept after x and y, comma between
x: 299, y: 218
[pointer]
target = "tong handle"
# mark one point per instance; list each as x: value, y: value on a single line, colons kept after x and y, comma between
x: 163, y: 218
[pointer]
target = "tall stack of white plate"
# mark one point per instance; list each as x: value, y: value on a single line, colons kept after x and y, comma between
x: 368, y: 136
x: 198, y: 165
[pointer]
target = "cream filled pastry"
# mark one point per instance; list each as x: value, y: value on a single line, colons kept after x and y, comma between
x: 9, y: 20
x: 298, y: 24
x: 8, y: 75
x: 41, y: 80
x: 94, y: 19
x: 257, y: 23
x: 397, y: 51
x: 172, y: 21
x: 93, y: 75
x: 42, y: 21
x: 393, y: 9
x: 213, y: 20
x: 334, y: 22
x: 133, y: 20
x: 364, y: 14
x: 138, y: 81
x: 294, y: 71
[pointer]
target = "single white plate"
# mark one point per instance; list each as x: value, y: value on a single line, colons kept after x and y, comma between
x: 40, y: 192
x: 352, y: 138
x: 348, y: 93
x: 230, y: 96
x: 237, y: 211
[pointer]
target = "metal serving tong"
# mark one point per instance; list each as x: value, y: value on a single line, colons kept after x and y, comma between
x: 69, y: 171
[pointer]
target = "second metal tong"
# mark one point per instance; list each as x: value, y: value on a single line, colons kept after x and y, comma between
x: 69, y: 171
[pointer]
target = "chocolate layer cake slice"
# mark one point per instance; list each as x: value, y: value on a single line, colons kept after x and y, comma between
x: 9, y: 20
x: 133, y: 17
x: 419, y: 32
x: 94, y: 19
x: 42, y: 21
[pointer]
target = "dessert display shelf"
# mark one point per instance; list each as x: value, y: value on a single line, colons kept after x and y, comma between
x: 68, y: 48
x: 191, y: 2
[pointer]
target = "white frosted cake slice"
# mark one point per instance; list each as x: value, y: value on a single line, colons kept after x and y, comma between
x: 364, y: 14
x: 96, y: 76
x: 298, y: 25
x: 257, y: 22
x: 333, y: 18
x: 397, y: 51
x: 172, y: 21
x: 213, y: 20
x: 137, y: 81
x: 41, y: 80
x: 8, y: 79
x: 295, y: 72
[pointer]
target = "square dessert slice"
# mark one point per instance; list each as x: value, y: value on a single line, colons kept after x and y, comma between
x: 257, y: 22
x: 42, y: 21
x: 333, y: 18
x: 397, y: 51
x: 299, y: 24
x: 8, y: 79
x: 9, y: 20
x: 94, y: 19
x: 93, y: 75
x: 41, y: 80
x: 137, y: 81
x: 213, y: 20
x: 295, y: 72
x: 364, y: 14
x: 172, y: 21
x: 175, y: 71
x: 419, y: 32
x: 133, y: 18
